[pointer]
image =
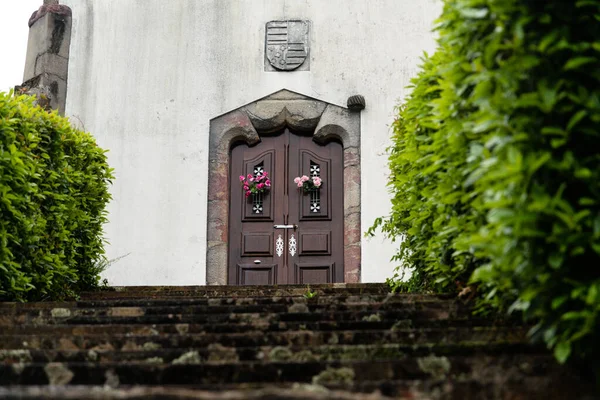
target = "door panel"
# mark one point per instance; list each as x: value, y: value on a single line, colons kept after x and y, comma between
x: 309, y: 273
x: 257, y: 244
x: 287, y: 236
x: 250, y: 274
x: 315, y: 243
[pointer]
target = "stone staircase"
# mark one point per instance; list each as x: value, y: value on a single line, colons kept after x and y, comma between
x: 278, y: 342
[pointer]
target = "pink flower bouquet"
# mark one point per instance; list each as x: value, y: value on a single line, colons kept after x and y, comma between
x: 308, y: 184
x: 259, y: 183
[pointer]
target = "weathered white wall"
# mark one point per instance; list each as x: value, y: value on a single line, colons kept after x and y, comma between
x: 146, y: 76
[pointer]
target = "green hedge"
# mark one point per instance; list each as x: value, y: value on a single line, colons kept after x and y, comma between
x: 495, y: 166
x: 53, y: 193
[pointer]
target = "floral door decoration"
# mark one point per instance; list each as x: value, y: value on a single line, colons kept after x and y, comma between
x: 308, y: 184
x: 256, y: 185
x: 258, y: 182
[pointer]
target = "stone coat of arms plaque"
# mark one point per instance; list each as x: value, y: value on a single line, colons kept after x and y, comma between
x: 287, y: 44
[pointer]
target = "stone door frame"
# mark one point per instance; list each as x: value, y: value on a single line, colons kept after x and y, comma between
x: 267, y: 115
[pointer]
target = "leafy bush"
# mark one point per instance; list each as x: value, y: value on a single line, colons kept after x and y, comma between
x: 495, y: 167
x: 53, y: 192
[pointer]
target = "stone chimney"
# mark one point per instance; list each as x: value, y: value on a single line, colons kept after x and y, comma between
x: 47, y: 62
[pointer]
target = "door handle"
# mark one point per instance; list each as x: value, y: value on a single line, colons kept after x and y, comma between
x: 285, y: 227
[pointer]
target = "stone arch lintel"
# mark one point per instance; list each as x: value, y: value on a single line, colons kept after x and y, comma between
x: 229, y: 128
x: 339, y: 123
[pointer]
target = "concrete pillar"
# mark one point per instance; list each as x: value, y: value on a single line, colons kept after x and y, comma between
x: 47, y: 62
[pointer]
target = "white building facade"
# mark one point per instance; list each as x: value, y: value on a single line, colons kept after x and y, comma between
x: 171, y: 87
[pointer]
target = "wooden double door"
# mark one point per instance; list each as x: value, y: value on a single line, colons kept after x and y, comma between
x: 286, y: 236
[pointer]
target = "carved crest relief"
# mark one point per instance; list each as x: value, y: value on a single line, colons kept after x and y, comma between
x: 287, y: 44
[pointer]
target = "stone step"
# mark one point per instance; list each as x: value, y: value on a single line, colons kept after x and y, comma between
x: 529, y: 388
x: 149, y: 292
x: 301, y: 313
x: 261, y: 319
x: 405, y: 299
x: 327, y: 287
x: 421, y: 310
x: 364, y: 300
x: 215, y: 352
x: 230, y: 370
x: 146, y: 336
x: 259, y: 325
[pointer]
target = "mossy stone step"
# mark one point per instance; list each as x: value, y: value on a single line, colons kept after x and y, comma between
x: 154, y: 354
x: 422, y: 310
x: 183, y: 292
x: 388, y: 300
x: 294, y: 314
x: 138, y: 339
x: 367, y: 323
x: 344, y: 287
x: 552, y: 387
x: 189, y: 371
x: 338, y: 298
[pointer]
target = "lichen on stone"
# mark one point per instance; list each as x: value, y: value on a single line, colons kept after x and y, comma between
x: 402, y: 324
x: 222, y: 354
x: 182, y: 329
x: 154, y: 360
x: 191, y: 357
x: 342, y: 375
x: 386, y: 352
x: 334, y: 339
x: 372, y: 318
x: 58, y: 374
x: 280, y: 353
x: 150, y: 346
x: 92, y: 355
x: 305, y: 356
x: 308, y: 388
x: 437, y: 367
x: 298, y: 308
x: 15, y: 355
x: 347, y: 353
x: 60, y: 313
x: 18, y: 367
x: 112, y: 379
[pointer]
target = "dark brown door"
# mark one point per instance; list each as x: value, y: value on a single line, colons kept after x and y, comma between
x: 287, y: 236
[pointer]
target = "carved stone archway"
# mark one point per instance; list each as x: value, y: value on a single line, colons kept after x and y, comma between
x: 270, y: 114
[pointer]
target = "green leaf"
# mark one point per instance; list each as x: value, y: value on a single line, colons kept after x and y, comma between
x: 556, y: 143
x: 555, y: 260
x: 581, y: 114
x: 553, y: 130
x: 549, y: 96
x: 577, y: 62
x: 539, y: 162
x: 562, y: 351
x: 559, y: 301
x: 584, y: 3
x: 593, y: 295
x: 597, y: 226
x: 586, y: 201
x: 476, y: 13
